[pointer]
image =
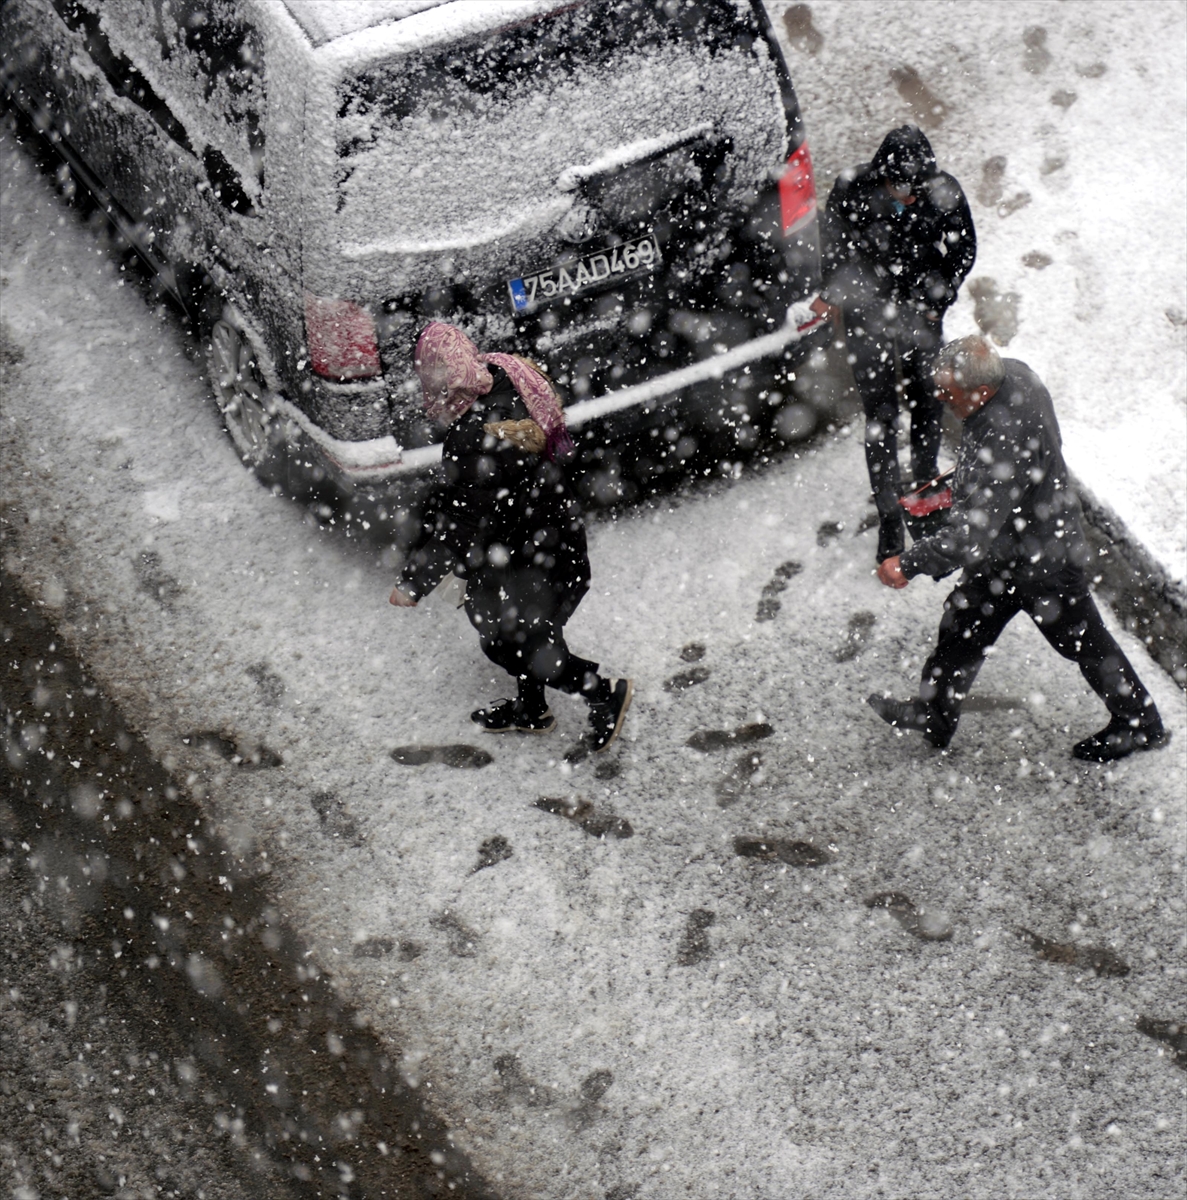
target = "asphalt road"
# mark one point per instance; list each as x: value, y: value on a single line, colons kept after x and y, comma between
x: 162, y: 1033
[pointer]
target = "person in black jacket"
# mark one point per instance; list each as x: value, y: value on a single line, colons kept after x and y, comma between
x: 898, y: 240
x: 507, y: 522
x: 1015, y: 529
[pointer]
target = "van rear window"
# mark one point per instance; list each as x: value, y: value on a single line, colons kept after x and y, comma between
x: 472, y: 139
x: 469, y: 79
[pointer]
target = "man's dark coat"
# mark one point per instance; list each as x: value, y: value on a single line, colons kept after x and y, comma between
x: 1013, y: 509
x: 877, y: 250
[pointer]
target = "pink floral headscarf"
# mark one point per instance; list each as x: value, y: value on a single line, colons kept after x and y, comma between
x: 454, y: 374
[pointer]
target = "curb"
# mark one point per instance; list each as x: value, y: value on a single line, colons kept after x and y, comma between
x: 1148, y: 602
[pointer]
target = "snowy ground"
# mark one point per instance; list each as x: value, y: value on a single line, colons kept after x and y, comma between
x: 657, y: 1015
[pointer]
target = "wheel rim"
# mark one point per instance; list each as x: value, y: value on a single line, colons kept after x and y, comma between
x: 240, y: 394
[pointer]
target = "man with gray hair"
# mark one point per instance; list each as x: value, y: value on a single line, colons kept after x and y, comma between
x: 1015, y: 529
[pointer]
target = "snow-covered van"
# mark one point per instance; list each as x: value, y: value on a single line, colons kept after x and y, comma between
x: 618, y: 189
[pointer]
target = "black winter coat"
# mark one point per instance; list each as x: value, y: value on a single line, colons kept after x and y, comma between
x: 1013, y: 509
x: 504, y: 518
x: 873, y: 252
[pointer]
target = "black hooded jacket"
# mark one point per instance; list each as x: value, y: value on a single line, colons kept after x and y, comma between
x: 877, y: 250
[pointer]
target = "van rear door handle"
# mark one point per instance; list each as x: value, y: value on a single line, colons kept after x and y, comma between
x: 579, y: 174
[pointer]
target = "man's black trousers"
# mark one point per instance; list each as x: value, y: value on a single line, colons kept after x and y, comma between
x: 877, y: 343
x: 981, y: 606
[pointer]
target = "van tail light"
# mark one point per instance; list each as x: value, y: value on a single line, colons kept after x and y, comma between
x: 341, y: 339
x: 797, y: 191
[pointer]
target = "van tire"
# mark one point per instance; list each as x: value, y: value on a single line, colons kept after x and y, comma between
x: 270, y: 444
x: 241, y: 395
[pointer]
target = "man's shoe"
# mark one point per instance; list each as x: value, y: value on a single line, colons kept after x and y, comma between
x: 890, y: 537
x: 605, y: 716
x: 506, y: 716
x: 925, y: 477
x: 907, y: 714
x: 1118, y: 739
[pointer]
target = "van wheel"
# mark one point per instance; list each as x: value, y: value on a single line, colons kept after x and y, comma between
x: 241, y: 394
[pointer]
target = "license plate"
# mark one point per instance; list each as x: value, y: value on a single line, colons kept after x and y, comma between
x: 601, y: 268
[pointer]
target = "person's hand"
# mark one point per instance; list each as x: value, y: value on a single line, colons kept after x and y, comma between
x: 822, y: 308
x: 525, y: 435
x: 891, y: 573
x: 401, y: 599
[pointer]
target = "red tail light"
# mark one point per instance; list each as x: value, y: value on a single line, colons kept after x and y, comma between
x: 797, y: 191
x: 341, y: 338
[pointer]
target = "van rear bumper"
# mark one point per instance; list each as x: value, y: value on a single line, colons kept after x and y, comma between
x: 379, y: 459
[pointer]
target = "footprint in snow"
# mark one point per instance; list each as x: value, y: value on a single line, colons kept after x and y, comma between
x: 607, y: 768
x: 1036, y: 58
x: 583, y: 814
x: 928, y: 109
x: 927, y: 924
x: 1173, y: 1033
x: 695, y: 946
x: 251, y: 758
x: 742, y: 777
x: 860, y: 626
x: 693, y: 652
x: 461, y: 756
x: 518, y: 1088
x: 156, y: 582
x: 1100, y: 958
x: 993, y: 174
x: 721, y: 739
x: 463, y: 941
x: 801, y: 32
x: 828, y: 532
x: 1012, y: 205
x: 270, y: 684
x: 687, y: 679
x: 589, y: 1108
x: 494, y: 850
x: 769, y: 603
x: 995, y: 312
x: 1063, y: 98
x: 795, y: 854
x: 207, y: 739
x: 336, y: 821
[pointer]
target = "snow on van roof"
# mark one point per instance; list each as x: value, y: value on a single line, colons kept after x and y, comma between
x: 326, y: 20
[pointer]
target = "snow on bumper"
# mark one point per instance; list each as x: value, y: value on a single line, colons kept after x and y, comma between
x: 382, y: 458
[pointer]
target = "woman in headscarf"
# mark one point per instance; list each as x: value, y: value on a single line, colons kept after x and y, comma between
x: 508, y: 523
